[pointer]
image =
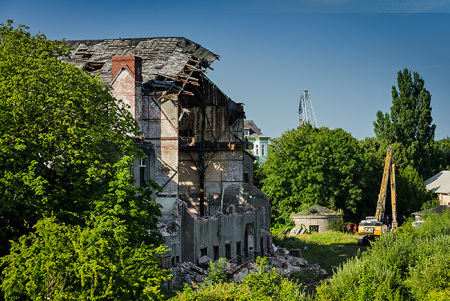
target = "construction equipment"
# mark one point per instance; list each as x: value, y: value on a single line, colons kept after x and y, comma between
x: 305, y: 110
x: 374, y: 226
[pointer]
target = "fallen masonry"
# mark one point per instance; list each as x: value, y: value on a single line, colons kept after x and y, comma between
x: 285, y: 262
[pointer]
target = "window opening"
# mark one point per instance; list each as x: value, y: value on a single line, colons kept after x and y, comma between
x: 216, y: 252
x: 314, y: 228
x: 228, y: 251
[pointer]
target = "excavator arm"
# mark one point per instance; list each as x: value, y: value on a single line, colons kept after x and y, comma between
x: 373, y: 226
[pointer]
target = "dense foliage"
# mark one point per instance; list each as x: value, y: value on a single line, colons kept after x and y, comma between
x: 410, y: 266
x: 95, y: 262
x: 309, y: 166
x: 66, y: 189
x: 410, y: 121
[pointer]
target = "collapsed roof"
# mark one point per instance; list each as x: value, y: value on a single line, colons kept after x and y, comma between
x: 164, y: 57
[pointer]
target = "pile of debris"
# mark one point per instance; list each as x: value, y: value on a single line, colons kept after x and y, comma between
x: 285, y: 262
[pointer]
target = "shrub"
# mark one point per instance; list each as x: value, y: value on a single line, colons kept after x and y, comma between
x: 338, y: 225
x: 411, y: 266
x: 217, y: 272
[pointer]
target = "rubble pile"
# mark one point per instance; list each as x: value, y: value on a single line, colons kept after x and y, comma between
x: 285, y: 262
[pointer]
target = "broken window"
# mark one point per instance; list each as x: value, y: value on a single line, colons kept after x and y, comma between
x: 314, y: 228
x: 228, y: 251
x: 216, y: 252
x: 203, y: 252
x: 93, y: 66
x: 246, y: 178
x: 143, y: 175
x: 238, y: 252
x: 262, y: 246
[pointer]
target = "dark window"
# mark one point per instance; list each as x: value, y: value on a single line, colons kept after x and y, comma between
x: 203, y: 252
x: 262, y: 246
x: 216, y: 252
x: 246, y: 179
x: 228, y: 251
x: 314, y: 228
x: 143, y: 177
x: 238, y: 252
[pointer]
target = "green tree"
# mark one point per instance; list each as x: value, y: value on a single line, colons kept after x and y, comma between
x: 441, y: 154
x: 95, y: 262
x: 410, y: 121
x: 309, y: 166
x: 66, y: 148
x: 61, y: 133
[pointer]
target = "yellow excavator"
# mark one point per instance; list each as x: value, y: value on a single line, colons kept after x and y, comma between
x: 374, y: 226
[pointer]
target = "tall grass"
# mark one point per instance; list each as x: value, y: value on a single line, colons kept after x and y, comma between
x: 411, y: 266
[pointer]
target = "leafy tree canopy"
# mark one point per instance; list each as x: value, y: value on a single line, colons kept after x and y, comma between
x: 96, y: 262
x: 309, y: 166
x: 61, y: 133
x: 410, y: 121
x: 66, y: 188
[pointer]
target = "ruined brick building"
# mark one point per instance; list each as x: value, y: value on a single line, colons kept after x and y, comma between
x: 192, y: 134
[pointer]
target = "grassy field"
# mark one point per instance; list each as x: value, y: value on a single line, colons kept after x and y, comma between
x: 329, y: 250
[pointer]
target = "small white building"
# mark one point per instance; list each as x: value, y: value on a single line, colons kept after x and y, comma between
x: 259, y: 141
x: 315, y: 219
x: 440, y: 184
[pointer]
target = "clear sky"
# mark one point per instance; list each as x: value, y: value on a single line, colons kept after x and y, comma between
x: 345, y: 52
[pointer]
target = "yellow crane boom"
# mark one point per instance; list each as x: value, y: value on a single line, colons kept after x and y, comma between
x: 373, y: 226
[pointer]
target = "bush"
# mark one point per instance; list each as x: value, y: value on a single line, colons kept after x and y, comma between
x: 217, y: 272
x: 338, y: 225
x: 411, y: 266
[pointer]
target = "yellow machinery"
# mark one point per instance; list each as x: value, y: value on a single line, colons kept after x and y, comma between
x: 373, y: 226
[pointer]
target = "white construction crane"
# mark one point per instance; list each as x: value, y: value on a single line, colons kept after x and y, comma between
x: 305, y: 110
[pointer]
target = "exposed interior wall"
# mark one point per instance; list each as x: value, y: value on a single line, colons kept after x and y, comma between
x: 233, y: 233
x: 199, y: 160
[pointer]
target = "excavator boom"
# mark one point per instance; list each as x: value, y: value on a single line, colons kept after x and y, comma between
x: 373, y: 226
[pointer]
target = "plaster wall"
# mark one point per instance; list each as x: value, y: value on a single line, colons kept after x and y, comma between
x: 204, y: 235
x: 323, y: 221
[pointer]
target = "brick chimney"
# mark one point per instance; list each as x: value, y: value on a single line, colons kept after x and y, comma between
x: 132, y: 63
x: 126, y: 81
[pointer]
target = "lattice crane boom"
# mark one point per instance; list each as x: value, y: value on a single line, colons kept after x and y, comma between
x: 305, y: 110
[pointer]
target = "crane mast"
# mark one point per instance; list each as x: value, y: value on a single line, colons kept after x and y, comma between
x: 305, y: 110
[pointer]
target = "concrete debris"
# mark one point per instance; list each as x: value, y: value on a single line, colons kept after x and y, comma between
x: 285, y: 262
x: 204, y: 261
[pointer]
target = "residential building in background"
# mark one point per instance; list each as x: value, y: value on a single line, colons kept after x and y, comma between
x: 440, y: 184
x: 260, y: 142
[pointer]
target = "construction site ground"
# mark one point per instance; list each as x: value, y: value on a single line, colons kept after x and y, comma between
x: 328, y: 250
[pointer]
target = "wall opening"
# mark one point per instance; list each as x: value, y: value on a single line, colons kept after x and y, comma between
x: 228, y: 251
x: 239, y: 252
x: 314, y: 228
x: 216, y: 252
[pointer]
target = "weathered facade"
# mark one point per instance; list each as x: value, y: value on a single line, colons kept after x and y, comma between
x: 193, y: 135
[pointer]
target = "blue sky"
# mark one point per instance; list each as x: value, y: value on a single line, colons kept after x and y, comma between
x: 345, y: 52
